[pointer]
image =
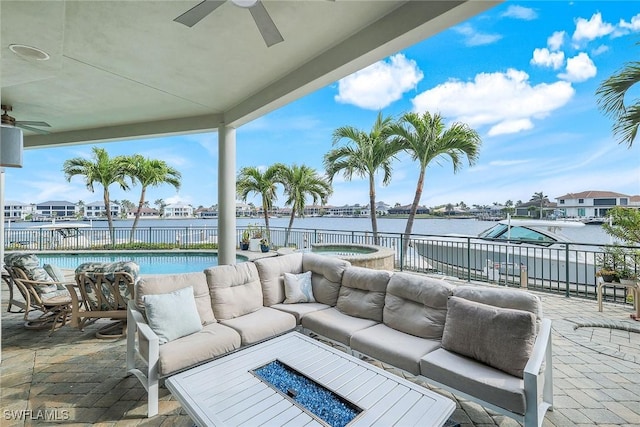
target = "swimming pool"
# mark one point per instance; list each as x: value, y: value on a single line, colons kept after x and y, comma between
x: 149, y: 262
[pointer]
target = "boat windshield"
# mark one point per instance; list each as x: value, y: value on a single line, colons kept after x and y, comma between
x: 518, y: 233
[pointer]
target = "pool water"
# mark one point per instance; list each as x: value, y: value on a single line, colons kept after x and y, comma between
x: 149, y: 262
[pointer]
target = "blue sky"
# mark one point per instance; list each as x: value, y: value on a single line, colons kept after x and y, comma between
x: 523, y: 74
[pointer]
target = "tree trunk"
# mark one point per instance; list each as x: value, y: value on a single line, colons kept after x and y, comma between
x: 107, y: 207
x: 286, y: 237
x: 266, y: 220
x: 372, y: 208
x: 137, y: 216
x: 412, y: 213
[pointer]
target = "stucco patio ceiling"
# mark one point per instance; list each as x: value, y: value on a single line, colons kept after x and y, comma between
x: 122, y: 69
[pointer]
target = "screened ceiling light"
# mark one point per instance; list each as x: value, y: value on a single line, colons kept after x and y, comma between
x: 10, y: 147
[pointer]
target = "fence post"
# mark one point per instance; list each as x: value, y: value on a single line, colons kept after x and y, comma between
x: 468, y: 259
x: 566, y: 269
x: 401, y: 247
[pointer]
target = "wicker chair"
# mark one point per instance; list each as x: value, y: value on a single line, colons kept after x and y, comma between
x: 102, y: 291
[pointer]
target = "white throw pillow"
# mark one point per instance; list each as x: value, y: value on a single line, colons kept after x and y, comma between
x: 172, y: 315
x: 297, y: 288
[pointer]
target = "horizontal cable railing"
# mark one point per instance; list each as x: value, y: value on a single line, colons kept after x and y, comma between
x: 566, y: 268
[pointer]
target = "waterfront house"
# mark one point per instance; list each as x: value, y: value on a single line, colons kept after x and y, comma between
x: 14, y: 210
x: 145, y: 212
x: 97, y: 210
x: 178, y: 210
x: 588, y: 204
x: 57, y: 209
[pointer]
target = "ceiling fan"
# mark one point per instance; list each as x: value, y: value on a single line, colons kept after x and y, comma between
x: 23, y: 124
x: 263, y: 21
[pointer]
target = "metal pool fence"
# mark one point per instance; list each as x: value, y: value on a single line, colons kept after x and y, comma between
x: 566, y: 268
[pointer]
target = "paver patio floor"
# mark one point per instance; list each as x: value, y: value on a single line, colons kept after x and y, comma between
x: 72, y: 378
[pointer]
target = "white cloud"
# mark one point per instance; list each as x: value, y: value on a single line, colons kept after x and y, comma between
x: 507, y: 162
x: 520, y: 12
x: 556, y: 40
x: 380, y: 84
x: 579, y: 68
x: 505, y: 101
x: 587, y: 30
x: 476, y: 38
x: 633, y: 26
x: 545, y: 58
x: 600, y: 50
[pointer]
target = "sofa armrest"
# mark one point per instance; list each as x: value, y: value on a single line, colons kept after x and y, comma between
x: 148, y: 347
x: 536, y: 379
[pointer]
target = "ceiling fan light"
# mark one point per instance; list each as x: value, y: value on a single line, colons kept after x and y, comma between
x: 10, y: 147
x: 245, y: 3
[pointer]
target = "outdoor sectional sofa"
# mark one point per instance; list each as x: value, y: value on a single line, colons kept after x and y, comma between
x: 488, y: 345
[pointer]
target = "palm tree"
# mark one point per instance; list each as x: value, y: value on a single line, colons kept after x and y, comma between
x: 160, y: 203
x: 424, y: 137
x: 149, y: 173
x: 299, y: 183
x: 103, y: 170
x: 541, y: 199
x: 612, y: 93
x: 252, y: 180
x: 364, y: 154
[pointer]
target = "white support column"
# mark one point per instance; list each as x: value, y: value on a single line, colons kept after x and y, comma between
x: 226, y: 195
x: 1, y: 241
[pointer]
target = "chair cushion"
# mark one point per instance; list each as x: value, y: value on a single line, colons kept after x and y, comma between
x: 151, y: 284
x: 235, y: 290
x: 260, y: 325
x: 500, y: 337
x: 396, y: 348
x: 212, y: 341
x: 416, y: 305
x: 172, y: 315
x: 362, y: 292
x: 108, y: 269
x: 475, y: 378
x: 56, y: 274
x: 327, y: 276
x: 30, y: 264
x: 297, y: 288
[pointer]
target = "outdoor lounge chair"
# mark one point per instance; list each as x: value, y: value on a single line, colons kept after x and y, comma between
x: 103, y: 290
x: 41, y: 293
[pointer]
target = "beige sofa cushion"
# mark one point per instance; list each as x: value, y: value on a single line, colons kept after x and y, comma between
x: 235, y: 290
x: 390, y: 346
x: 154, y: 284
x: 505, y: 298
x: 335, y: 325
x: 475, y: 378
x: 326, y: 275
x: 212, y: 341
x: 261, y: 324
x: 362, y: 292
x: 500, y: 337
x: 271, y: 271
x: 417, y: 305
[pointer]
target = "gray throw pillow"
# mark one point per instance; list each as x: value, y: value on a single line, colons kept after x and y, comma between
x: 172, y: 315
x: 500, y: 337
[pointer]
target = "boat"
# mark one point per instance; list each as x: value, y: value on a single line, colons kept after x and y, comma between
x: 57, y: 236
x: 510, y: 248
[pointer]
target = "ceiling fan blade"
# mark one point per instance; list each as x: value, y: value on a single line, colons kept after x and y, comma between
x: 32, y: 123
x: 265, y: 24
x: 29, y: 128
x: 192, y: 16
